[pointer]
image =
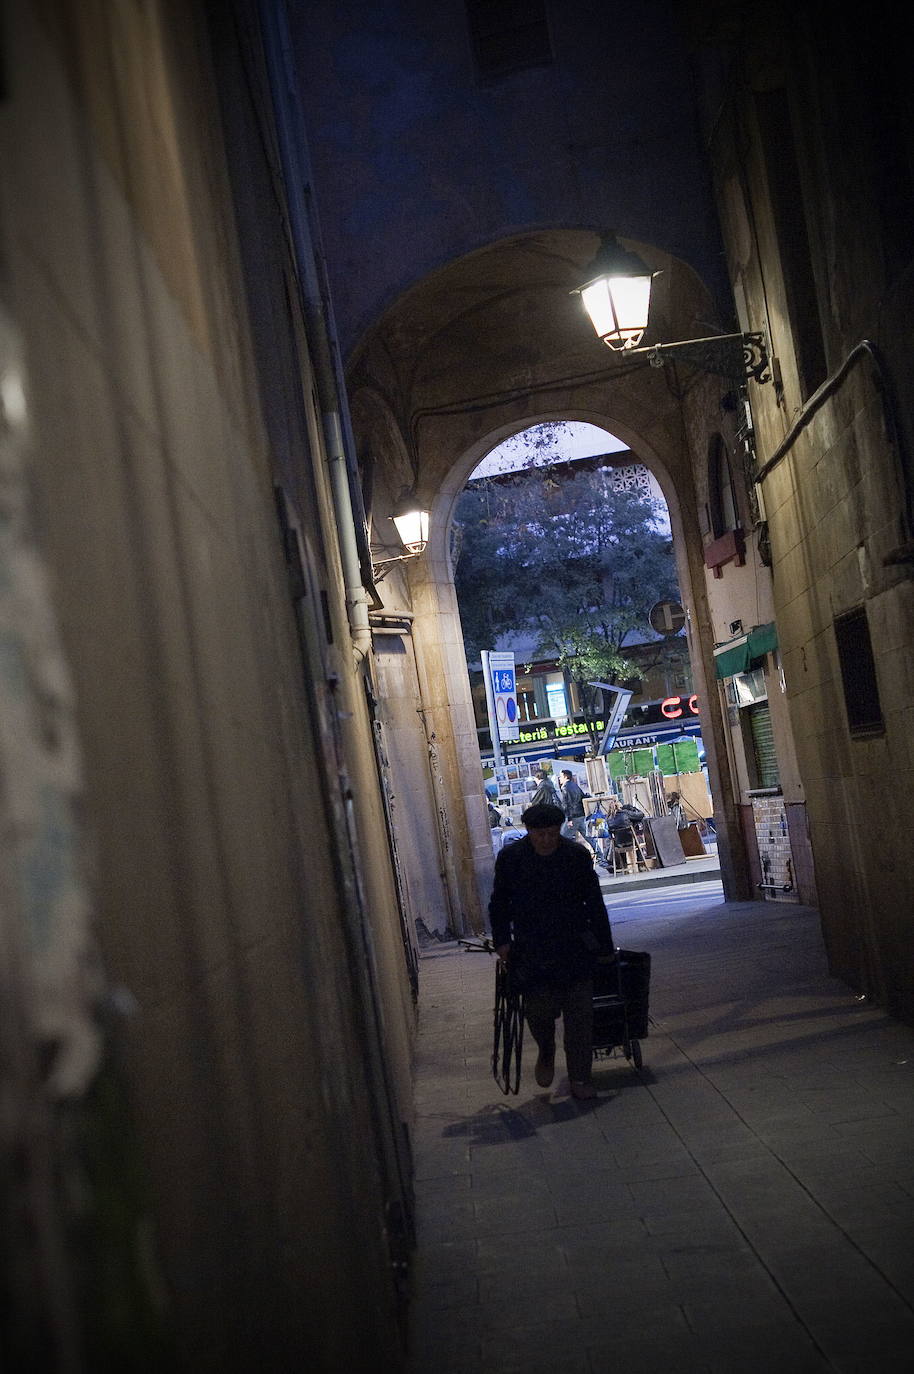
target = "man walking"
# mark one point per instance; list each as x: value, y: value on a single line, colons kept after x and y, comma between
x: 546, y: 791
x: 549, y: 923
x: 573, y: 806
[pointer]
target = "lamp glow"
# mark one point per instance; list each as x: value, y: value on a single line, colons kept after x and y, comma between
x: 618, y: 309
x: 617, y: 295
x: 412, y: 527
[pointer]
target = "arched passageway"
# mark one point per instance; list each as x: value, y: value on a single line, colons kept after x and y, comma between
x: 492, y: 344
x: 561, y: 550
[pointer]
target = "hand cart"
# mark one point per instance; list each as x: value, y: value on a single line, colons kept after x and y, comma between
x: 621, y: 985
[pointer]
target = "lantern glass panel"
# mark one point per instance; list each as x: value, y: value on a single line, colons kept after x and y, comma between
x: 412, y: 527
x: 618, y: 308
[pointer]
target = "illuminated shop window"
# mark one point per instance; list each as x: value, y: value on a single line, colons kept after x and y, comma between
x: 556, y: 700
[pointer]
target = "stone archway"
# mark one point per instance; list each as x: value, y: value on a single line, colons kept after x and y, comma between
x: 488, y: 346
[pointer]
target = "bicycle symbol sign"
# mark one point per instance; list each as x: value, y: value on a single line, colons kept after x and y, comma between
x: 501, y: 668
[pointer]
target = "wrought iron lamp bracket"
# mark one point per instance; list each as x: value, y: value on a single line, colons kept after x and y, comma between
x: 381, y: 568
x: 734, y: 356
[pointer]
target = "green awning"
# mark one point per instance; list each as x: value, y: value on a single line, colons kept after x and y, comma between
x: 729, y: 662
x: 747, y: 652
x: 762, y: 640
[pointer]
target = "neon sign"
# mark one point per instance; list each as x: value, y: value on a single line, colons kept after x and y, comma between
x: 674, y: 707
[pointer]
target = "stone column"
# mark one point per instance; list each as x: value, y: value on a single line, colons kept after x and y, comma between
x: 453, y: 748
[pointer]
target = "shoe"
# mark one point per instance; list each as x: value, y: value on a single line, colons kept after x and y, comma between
x: 584, y: 1092
x: 545, y: 1069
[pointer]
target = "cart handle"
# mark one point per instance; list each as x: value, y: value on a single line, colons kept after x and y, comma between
x: 483, y: 946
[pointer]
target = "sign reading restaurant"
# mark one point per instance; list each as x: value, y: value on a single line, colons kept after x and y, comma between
x: 681, y: 718
x: 645, y: 738
x: 550, y: 731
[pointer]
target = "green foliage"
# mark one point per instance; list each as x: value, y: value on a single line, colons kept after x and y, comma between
x: 565, y: 556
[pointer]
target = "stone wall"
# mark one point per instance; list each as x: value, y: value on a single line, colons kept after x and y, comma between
x: 234, y: 849
x: 810, y: 203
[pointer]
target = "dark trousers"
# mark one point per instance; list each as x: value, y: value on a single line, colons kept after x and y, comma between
x: 577, y: 825
x: 573, y: 1001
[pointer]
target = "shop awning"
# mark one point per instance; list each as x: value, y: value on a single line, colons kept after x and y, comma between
x: 742, y: 654
x: 732, y: 658
x: 762, y: 640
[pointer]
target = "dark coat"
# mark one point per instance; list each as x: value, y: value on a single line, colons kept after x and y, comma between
x: 620, y: 825
x: 546, y: 795
x: 572, y: 800
x: 551, y: 910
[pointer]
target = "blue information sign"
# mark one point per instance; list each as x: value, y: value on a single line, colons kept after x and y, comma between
x: 501, y: 668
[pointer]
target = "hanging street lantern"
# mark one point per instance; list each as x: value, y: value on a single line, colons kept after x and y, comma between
x: 412, y: 524
x: 617, y: 297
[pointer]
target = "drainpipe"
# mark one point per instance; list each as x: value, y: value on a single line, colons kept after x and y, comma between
x: 296, y: 168
x: 356, y: 597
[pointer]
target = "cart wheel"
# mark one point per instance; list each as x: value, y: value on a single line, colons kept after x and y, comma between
x: 636, y: 1054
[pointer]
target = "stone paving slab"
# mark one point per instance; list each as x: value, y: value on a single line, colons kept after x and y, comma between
x: 745, y: 1203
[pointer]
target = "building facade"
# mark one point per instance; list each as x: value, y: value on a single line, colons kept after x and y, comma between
x: 206, y: 980
x: 796, y: 586
x: 813, y: 163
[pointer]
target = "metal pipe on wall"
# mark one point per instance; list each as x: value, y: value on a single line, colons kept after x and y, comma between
x: 293, y: 151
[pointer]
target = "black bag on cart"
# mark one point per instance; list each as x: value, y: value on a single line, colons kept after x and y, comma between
x: 627, y: 975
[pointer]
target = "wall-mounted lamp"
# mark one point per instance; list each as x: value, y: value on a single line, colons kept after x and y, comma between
x: 617, y: 296
x: 411, y: 522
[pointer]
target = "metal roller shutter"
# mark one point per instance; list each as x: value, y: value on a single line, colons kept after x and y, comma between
x: 763, y: 745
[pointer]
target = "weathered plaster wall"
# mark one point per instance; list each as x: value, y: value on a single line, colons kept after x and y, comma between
x: 216, y: 779
x: 833, y: 513
x: 413, y: 807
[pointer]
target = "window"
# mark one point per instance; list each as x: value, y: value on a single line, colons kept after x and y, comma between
x: 745, y: 689
x: 526, y: 698
x: 858, y: 673
x: 508, y: 35
x: 722, y: 508
x: 557, y: 704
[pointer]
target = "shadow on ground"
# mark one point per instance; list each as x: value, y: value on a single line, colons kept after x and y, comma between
x: 501, y: 1123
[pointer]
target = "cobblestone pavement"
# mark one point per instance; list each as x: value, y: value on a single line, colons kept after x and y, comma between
x: 745, y: 1204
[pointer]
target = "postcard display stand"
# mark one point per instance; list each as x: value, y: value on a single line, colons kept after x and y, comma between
x: 516, y: 785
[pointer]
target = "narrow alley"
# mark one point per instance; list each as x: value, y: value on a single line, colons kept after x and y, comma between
x: 744, y: 1204
x: 284, y: 284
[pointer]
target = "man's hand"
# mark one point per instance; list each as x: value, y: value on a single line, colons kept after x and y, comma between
x: 503, y: 951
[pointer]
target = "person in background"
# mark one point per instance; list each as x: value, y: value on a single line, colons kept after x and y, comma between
x: 573, y: 806
x: 620, y: 817
x: 549, y: 924
x: 546, y: 793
